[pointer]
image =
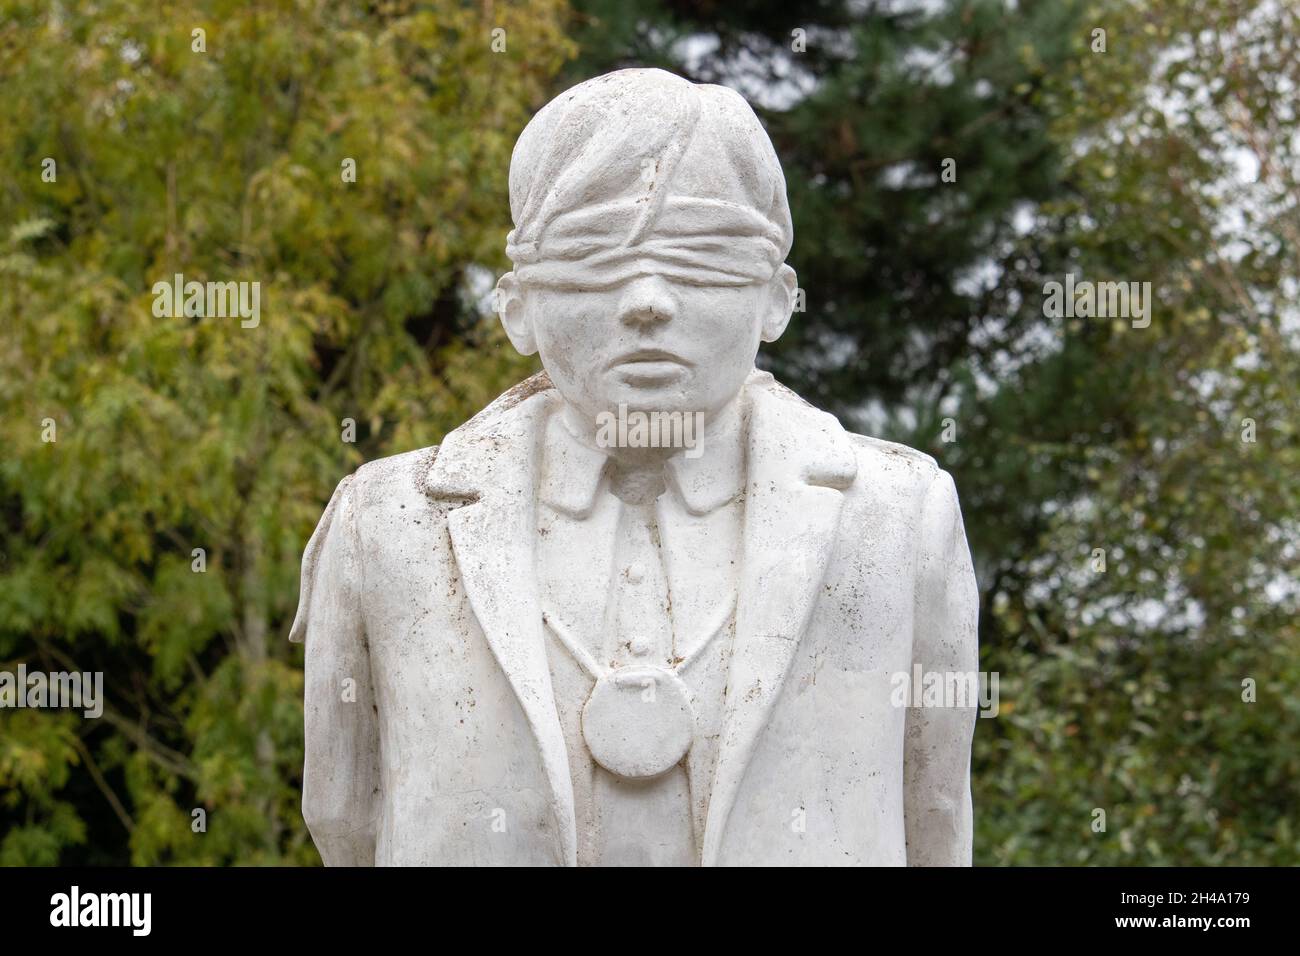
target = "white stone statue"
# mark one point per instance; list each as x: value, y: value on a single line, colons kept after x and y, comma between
x: 647, y: 607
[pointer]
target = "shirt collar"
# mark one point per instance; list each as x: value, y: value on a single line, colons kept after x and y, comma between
x: 575, y: 469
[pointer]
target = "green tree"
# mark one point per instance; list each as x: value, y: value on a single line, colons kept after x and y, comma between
x: 1170, y: 448
x: 222, y: 155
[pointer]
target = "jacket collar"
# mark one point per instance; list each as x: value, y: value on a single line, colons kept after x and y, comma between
x: 575, y: 470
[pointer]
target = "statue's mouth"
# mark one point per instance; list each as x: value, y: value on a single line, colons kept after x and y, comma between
x: 649, y: 366
x: 651, y: 356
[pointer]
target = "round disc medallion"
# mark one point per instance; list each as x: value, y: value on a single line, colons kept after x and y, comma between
x: 638, y: 721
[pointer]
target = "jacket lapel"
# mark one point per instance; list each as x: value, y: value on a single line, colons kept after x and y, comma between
x: 489, y: 462
x: 800, y: 460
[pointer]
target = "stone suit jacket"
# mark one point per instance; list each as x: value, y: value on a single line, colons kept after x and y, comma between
x: 432, y: 736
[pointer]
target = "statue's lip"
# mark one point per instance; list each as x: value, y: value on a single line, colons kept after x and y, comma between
x: 648, y: 355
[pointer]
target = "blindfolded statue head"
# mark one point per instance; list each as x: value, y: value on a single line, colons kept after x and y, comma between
x: 651, y: 230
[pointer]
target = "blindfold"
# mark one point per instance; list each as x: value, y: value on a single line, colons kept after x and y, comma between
x: 693, y: 241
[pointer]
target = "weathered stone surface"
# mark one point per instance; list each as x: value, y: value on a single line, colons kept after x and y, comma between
x: 648, y: 607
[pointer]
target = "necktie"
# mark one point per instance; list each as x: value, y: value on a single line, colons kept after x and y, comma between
x: 642, y: 630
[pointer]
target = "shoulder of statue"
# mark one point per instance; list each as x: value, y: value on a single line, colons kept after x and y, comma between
x: 387, y: 478
x: 865, y: 444
x: 892, y: 449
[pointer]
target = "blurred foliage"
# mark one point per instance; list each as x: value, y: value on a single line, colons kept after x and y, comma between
x: 1126, y: 686
x: 1169, y: 158
x: 175, y: 434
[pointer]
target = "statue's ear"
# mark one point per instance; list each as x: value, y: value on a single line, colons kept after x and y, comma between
x: 509, y: 301
x: 781, y: 294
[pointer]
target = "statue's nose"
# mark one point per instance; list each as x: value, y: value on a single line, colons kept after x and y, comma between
x: 647, y: 301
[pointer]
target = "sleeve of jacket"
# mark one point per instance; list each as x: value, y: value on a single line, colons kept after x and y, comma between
x: 936, y: 763
x: 340, y: 792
